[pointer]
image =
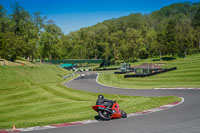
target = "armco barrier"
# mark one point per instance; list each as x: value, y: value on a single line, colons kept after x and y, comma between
x: 68, y: 76
x: 104, y: 69
x: 123, y: 72
x: 145, y: 75
x: 120, y: 72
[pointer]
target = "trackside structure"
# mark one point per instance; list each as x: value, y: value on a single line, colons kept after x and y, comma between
x: 75, y: 61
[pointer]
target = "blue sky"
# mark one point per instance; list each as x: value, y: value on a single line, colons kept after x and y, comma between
x: 71, y: 15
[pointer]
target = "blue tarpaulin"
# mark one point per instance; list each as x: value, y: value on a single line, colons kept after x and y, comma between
x: 67, y: 65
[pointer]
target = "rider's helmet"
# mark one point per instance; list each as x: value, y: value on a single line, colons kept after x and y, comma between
x: 100, y: 97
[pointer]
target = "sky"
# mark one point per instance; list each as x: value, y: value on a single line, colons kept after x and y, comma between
x: 71, y: 15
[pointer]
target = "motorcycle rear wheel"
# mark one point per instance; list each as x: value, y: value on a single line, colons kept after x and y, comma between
x: 123, y: 114
x: 104, y: 115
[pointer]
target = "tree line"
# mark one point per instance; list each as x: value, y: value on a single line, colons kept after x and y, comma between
x: 29, y: 36
x: 173, y: 30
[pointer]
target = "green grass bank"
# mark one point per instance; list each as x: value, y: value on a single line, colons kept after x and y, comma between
x: 33, y: 96
x: 22, y: 76
x: 187, y: 75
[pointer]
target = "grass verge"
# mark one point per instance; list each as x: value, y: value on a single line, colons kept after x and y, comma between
x: 40, y: 98
x: 187, y: 75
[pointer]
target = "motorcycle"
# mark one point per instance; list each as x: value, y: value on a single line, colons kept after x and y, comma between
x: 106, y: 113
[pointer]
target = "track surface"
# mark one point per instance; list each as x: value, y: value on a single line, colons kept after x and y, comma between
x: 184, y: 118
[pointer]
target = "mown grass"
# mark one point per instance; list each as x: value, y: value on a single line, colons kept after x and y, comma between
x: 20, y: 76
x: 36, y: 97
x: 187, y: 75
x: 54, y: 103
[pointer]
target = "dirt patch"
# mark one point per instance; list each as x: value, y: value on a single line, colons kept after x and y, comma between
x: 16, y: 63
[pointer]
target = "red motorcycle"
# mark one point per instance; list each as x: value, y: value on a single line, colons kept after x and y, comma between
x: 106, y: 113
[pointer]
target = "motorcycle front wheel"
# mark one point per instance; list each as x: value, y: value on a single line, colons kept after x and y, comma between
x: 104, y: 115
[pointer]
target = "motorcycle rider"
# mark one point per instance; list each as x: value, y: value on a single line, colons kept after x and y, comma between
x: 102, y: 101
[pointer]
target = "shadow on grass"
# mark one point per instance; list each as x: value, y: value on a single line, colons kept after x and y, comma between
x: 168, y: 58
x: 165, y: 59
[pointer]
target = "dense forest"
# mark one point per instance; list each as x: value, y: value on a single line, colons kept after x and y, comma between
x: 173, y: 30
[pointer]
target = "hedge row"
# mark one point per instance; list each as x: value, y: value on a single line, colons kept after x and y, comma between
x: 123, y: 72
x: 104, y: 69
x: 151, y: 74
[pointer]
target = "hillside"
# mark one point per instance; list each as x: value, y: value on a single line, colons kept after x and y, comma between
x: 187, y: 75
x: 173, y: 30
x: 12, y: 77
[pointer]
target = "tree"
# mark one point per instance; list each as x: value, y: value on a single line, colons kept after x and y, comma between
x: 50, y: 42
x: 196, y: 25
x: 10, y: 46
x: 20, y: 17
x: 33, y: 34
x: 2, y: 18
x: 160, y: 43
x: 185, y: 36
x: 171, y: 37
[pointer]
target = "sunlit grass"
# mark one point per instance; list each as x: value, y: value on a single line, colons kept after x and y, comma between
x: 54, y: 103
x: 36, y: 97
x: 187, y: 75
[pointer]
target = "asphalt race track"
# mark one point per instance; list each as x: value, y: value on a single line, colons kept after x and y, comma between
x: 184, y: 118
